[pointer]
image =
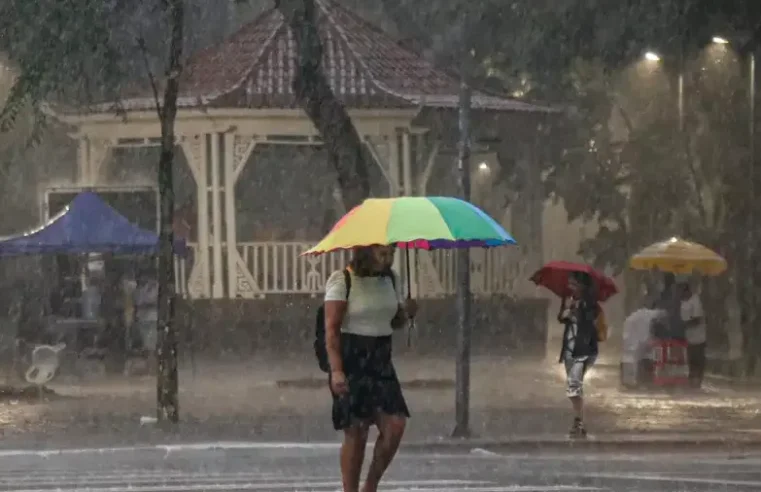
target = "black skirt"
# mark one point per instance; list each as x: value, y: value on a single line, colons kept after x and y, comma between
x: 371, y: 378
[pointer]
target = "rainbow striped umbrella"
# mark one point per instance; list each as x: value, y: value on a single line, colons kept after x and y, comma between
x: 434, y: 222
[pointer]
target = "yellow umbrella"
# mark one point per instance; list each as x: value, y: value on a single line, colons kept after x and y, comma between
x: 679, y: 257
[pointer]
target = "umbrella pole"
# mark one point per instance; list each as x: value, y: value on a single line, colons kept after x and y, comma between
x: 411, y: 324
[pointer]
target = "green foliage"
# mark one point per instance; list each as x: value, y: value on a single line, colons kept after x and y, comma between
x: 60, y: 50
x: 651, y: 181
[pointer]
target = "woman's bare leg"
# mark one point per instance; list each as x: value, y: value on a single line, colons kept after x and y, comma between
x: 352, y: 456
x: 390, y: 432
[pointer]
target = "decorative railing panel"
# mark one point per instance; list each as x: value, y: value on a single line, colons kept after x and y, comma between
x: 279, y: 268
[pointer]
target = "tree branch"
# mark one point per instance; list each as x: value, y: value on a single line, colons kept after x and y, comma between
x: 151, y: 78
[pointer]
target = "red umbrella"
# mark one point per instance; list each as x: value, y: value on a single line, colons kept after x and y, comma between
x: 554, y: 276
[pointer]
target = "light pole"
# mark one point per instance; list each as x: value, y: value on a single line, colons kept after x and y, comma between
x: 653, y: 57
x: 751, y: 193
x: 751, y: 220
x: 720, y: 40
x: 464, y: 325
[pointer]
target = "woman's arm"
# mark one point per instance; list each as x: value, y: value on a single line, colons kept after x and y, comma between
x: 334, y: 315
x: 562, y: 318
x: 400, y: 318
x: 336, y: 304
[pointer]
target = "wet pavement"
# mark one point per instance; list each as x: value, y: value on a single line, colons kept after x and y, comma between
x: 252, y: 400
x: 308, y: 467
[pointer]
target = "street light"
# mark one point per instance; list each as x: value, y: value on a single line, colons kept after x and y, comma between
x: 751, y: 177
x: 652, y: 56
x: 483, y: 167
x: 751, y: 118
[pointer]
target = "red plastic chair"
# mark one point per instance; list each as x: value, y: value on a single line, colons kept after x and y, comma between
x: 670, y: 366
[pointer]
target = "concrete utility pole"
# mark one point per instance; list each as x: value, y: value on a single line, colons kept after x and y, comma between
x: 464, y: 326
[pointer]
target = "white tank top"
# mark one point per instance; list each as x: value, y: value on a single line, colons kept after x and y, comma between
x: 372, y: 303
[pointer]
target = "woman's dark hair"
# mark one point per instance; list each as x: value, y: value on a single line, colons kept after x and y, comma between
x: 363, y: 261
x: 588, y: 287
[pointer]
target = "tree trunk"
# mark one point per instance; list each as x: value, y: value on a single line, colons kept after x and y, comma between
x: 166, y: 347
x: 464, y: 327
x: 343, y: 144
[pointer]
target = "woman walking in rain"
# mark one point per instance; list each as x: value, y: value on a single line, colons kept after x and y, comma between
x: 580, y: 343
x: 362, y: 307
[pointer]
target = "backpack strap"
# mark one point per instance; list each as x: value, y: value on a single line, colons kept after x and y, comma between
x: 347, y: 281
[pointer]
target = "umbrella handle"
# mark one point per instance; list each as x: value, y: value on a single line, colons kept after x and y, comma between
x: 411, y: 324
x: 409, y: 272
x: 410, y: 327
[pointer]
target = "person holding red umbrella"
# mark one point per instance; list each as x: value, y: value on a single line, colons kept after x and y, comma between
x: 580, y: 342
x: 584, y: 324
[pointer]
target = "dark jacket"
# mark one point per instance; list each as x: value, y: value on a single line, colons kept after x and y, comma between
x: 584, y: 315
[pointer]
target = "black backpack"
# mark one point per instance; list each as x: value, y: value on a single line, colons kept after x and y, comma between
x: 320, y: 349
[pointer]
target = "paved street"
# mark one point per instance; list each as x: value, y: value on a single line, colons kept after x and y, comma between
x: 305, y: 467
x: 286, y: 400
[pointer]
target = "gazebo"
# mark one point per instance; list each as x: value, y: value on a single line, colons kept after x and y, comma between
x: 238, y: 94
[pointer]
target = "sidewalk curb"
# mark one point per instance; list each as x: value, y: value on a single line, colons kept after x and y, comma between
x: 625, y: 443
x: 413, y: 384
x: 621, y: 444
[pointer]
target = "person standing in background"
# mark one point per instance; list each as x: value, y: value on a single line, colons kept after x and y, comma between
x: 670, y: 302
x: 128, y: 288
x: 146, y: 314
x: 92, y: 296
x: 695, y: 330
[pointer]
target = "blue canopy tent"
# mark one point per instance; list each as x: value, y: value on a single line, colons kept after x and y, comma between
x: 86, y: 225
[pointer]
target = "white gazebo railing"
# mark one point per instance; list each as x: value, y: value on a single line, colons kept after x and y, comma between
x: 270, y: 268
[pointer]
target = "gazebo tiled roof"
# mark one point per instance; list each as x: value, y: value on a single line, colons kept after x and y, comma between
x: 254, y: 68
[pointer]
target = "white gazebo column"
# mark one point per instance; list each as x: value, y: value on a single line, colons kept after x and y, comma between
x: 238, y: 150
x: 395, y: 188
x: 394, y: 166
x: 429, y: 282
x: 195, y: 148
x: 430, y: 162
x: 91, y: 155
x: 217, y: 288
x: 83, y: 157
x: 409, y: 190
x: 409, y: 186
x: 384, y: 150
x: 386, y: 153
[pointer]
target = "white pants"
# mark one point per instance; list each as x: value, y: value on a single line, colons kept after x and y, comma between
x: 575, y: 370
